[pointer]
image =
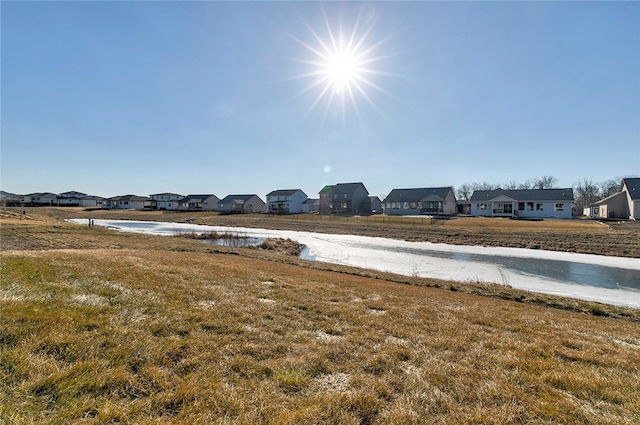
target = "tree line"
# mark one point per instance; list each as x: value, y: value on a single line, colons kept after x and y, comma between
x: 585, y: 191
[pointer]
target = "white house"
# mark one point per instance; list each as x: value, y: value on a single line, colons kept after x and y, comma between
x: 128, y: 202
x: 623, y: 204
x: 166, y: 201
x: 91, y: 201
x: 207, y: 202
x: 242, y: 204
x: 71, y: 198
x: 287, y: 201
x: 428, y: 200
x: 522, y: 203
x: 45, y: 198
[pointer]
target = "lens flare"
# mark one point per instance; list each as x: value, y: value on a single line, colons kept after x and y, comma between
x: 342, y: 66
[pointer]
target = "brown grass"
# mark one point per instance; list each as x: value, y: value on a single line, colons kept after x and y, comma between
x: 582, y: 236
x: 136, y: 329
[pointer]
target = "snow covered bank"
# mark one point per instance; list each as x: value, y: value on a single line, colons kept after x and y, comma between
x: 612, y: 280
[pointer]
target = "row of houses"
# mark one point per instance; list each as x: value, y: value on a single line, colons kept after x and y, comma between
x: 354, y: 198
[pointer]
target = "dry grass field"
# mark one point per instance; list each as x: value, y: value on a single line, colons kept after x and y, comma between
x: 104, y: 327
x: 583, y: 236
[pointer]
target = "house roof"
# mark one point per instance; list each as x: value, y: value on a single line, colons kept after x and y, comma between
x: 238, y: 198
x: 284, y: 192
x: 607, y: 199
x: 416, y: 195
x: 196, y: 198
x: 633, y: 187
x: 165, y: 194
x: 327, y: 189
x: 73, y: 193
x: 311, y: 201
x: 41, y: 194
x: 525, y: 194
x: 347, y: 187
x: 130, y: 198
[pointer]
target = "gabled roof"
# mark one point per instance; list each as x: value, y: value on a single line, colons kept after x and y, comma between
x: 130, y: 198
x: 237, y: 198
x: 524, y: 194
x: 416, y: 195
x: 73, y: 193
x: 311, y: 201
x: 633, y: 187
x: 347, y: 188
x: 327, y: 189
x: 41, y: 194
x: 608, y: 198
x: 165, y: 194
x: 195, y: 198
x: 285, y: 192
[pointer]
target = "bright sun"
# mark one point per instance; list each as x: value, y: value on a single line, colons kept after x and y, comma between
x: 343, y: 65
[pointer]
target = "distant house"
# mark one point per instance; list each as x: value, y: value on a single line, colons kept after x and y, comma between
x: 624, y: 204
x: 41, y: 198
x: 128, y: 202
x: 376, y: 205
x: 71, y: 198
x: 242, y: 204
x: 91, y: 201
x: 428, y: 200
x: 523, y: 203
x: 166, y: 201
x: 311, y: 205
x: 345, y: 198
x: 288, y: 201
x: 207, y: 202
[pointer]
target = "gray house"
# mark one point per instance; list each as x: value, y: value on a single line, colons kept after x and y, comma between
x: 345, y: 198
x: 287, y: 201
x: 242, y: 204
x: 206, y: 202
x: 522, y: 203
x: 428, y: 200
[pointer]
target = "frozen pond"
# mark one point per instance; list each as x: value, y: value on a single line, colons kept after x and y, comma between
x: 612, y: 280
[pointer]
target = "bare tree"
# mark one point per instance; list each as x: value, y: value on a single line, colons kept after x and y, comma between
x: 464, y: 192
x: 512, y: 185
x: 483, y: 186
x: 526, y: 185
x: 585, y: 193
x: 544, y: 182
x: 609, y: 187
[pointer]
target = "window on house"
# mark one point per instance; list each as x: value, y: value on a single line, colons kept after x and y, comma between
x: 559, y: 207
x: 520, y: 206
x: 539, y: 207
x: 482, y: 207
x: 596, y: 210
x: 529, y: 206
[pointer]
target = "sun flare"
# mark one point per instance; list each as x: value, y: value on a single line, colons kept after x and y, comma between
x: 342, y: 66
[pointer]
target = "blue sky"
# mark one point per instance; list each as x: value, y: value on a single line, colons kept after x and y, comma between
x: 113, y: 98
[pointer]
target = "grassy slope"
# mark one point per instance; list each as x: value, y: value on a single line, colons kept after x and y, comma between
x: 162, y: 330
